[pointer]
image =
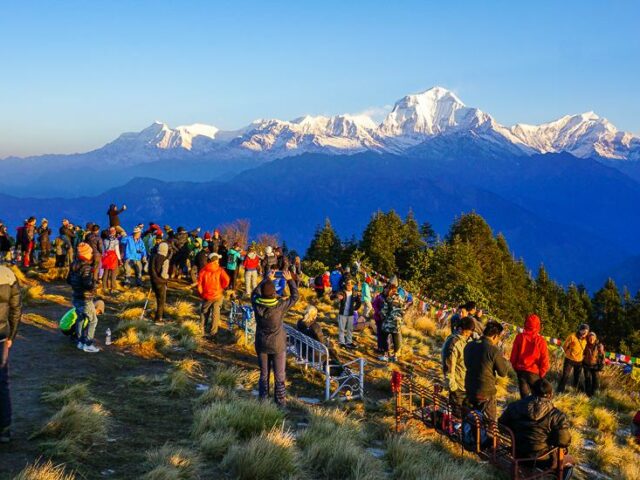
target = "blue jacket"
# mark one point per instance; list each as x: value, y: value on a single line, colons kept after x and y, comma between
x: 134, y: 250
x: 335, y: 279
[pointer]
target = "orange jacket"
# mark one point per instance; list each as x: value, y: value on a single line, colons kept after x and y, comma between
x: 212, y: 280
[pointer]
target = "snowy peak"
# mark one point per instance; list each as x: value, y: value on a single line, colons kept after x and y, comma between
x: 414, y: 120
x: 582, y: 135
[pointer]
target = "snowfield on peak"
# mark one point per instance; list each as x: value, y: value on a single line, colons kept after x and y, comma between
x: 411, y: 124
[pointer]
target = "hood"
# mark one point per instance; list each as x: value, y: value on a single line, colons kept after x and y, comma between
x: 532, y: 325
x: 211, y: 267
x: 537, y: 408
x: 163, y: 249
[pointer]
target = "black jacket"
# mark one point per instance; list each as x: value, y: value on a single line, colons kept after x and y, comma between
x: 355, y: 302
x: 180, y: 247
x: 81, y: 280
x: 10, y: 304
x: 155, y: 269
x: 537, y: 426
x: 270, y: 334
x: 314, y: 330
x: 113, y: 213
x: 201, y: 258
x: 95, y: 242
x: 44, y: 238
x: 483, y: 361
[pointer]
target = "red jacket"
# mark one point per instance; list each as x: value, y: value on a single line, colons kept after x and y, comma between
x: 212, y: 280
x: 529, y: 352
x: 251, y: 263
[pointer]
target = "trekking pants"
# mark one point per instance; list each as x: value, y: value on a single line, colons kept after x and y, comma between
x: 86, y: 308
x: 457, y: 400
x: 345, y: 329
x: 232, y: 279
x: 568, y: 368
x: 487, y: 405
x: 160, y: 291
x: 133, y: 268
x: 5, y: 397
x: 526, y: 380
x: 210, y: 315
x: 250, y: 281
x: 109, y: 279
x: 591, y: 380
x: 275, y: 362
x: 396, y: 337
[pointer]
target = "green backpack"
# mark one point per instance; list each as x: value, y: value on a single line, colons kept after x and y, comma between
x: 68, y: 321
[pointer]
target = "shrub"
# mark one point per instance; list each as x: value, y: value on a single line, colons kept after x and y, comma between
x: 269, y: 456
x: 247, y: 417
x: 172, y: 463
x: 44, y: 471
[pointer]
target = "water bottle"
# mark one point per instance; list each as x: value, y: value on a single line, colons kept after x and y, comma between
x: 108, y: 339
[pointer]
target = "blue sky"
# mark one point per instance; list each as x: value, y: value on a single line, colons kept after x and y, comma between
x: 74, y: 75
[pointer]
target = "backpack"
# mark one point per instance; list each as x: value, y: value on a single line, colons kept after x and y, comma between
x: 469, y: 431
x: 67, y: 323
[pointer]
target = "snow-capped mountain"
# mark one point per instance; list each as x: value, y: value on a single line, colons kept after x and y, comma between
x: 413, y: 120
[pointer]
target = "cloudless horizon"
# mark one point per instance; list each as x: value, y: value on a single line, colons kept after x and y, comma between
x: 77, y: 74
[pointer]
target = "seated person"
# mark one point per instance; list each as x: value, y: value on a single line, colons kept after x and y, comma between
x: 538, y: 426
x: 308, y: 325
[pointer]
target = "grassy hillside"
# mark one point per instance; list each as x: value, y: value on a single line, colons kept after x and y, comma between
x: 163, y: 403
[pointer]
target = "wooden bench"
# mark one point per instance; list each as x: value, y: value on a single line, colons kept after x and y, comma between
x: 426, y: 404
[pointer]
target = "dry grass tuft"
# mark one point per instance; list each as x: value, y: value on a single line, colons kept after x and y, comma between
x: 604, y: 420
x: 172, y: 463
x: 34, y: 294
x: 216, y: 394
x: 74, y: 429
x: 133, y: 297
x: 73, y: 393
x: 246, y: 417
x: 215, y: 445
x: 44, y: 471
x: 40, y: 320
x: 133, y: 313
x: 269, y: 456
x: 181, y: 309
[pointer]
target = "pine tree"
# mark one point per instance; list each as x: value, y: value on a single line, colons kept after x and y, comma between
x: 410, y: 245
x: 325, y: 246
x: 607, y: 316
x: 381, y: 239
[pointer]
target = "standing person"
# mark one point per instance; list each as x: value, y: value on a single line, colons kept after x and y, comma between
x: 457, y: 317
x: 134, y: 252
x: 296, y: 270
x: 529, y: 355
x: 592, y: 363
x: 111, y: 260
x: 336, y: 278
x: 159, y: 275
x: 95, y: 242
x: 68, y: 236
x: 392, y: 318
x: 366, y: 297
x: 223, y: 251
x: 44, y: 241
x: 26, y: 239
x: 271, y: 338
x: 270, y: 261
x: 114, y: 217
x: 10, y: 312
x: 180, y: 252
x: 233, y: 261
x: 484, y: 361
x: 5, y: 243
x: 212, y: 282
x: 573, y: 348
x: 214, y: 243
x: 83, y: 286
x: 453, y: 367
x: 382, y: 338
x: 348, y: 303
x: 251, y: 265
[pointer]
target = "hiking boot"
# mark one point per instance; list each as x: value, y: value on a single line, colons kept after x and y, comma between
x: 91, y: 349
x: 80, y: 346
x: 5, y: 435
x: 384, y: 358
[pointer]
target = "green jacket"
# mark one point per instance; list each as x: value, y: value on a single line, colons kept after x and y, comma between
x: 453, y: 366
x: 392, y: 313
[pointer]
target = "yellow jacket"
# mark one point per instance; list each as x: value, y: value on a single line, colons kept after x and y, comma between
x: 574, y: 347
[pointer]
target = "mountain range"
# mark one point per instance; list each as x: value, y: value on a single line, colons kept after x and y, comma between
x: 205, y: 152
x: 564, y: 193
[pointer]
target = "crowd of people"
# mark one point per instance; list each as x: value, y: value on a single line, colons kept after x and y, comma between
x: 99, y: 259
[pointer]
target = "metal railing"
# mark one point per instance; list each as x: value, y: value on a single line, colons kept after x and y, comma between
x: 243, y: 318
x: 349, y: 381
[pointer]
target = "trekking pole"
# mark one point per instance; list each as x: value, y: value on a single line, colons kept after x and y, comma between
x: 144, y: 309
